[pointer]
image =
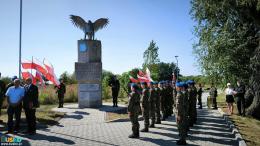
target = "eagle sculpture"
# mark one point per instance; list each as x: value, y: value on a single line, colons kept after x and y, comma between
x: 89, y: 28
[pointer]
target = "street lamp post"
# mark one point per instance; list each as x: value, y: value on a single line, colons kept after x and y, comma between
x: 177, y: 76
x: 20, y: 39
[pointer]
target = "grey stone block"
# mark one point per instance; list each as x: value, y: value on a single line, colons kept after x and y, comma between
x: 91, y: 53
x: 89, y: 87
x: 88, y: 71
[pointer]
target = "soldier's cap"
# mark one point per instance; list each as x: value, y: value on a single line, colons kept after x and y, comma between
x: 14, y: 77
x: 189, y: 82
x: 179, y: 84
x: 151, y: 83
x: 161, y: 82
x: 143, y: 83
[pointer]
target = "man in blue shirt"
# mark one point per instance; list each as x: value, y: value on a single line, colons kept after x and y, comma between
x: 14, y: 95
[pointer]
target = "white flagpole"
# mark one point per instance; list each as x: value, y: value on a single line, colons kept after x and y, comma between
x: 20, y: 39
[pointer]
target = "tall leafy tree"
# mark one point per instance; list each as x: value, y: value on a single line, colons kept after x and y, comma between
x: 151, y: 59
x: 228, y: 46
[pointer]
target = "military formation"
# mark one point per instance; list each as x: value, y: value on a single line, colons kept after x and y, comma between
x: 157, y: 101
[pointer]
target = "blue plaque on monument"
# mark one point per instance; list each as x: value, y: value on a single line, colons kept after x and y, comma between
x: 83, y: 47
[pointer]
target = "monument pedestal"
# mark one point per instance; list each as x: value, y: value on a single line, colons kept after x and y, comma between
x: 88, y: 71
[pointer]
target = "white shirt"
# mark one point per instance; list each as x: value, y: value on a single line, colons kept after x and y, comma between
x: 229, y: 91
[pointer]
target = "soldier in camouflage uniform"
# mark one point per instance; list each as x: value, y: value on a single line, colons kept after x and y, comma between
x: 181, y: 113
x: 174, y: 93
x: 157, y: 103
x: 213, y: 96
x: 152, y: 100
x: 163, y: 100
x: 192, y: 98
x: 169, y: 98
x: 145, y: 106
x: 134, y: 110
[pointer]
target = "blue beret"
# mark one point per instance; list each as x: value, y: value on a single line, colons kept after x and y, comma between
x: 161, y: 82
x: 155, y: 82
x: 151, y: 83
x: 14, y: 77
x: 179, y: 84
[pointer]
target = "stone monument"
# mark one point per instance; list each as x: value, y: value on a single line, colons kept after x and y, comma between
x: 88, y: 69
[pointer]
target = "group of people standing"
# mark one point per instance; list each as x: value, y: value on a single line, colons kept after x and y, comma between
x: 20, y: 96
x: 237, y: 93
x: 163, y: 97
x: 24, y: 95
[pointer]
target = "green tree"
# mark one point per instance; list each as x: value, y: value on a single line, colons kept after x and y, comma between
x: 228, y: 48
x: 166, y: 70
x: 106, y: 77
x: 151, y: 60
x: 68, y: 78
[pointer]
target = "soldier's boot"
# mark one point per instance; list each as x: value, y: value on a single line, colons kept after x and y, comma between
x: 158, y: 121
x: 146, y: 129
x: 132, y: 136
x: 164, y: 117
x: 181, y: 142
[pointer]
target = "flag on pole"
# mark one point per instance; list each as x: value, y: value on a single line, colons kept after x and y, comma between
x: 27, y: 74
x: 148, y: 74
x: 132, y: 79
x: 50, y: 75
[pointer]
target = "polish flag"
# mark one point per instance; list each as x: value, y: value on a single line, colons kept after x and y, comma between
x: 50, y: 75
x: 142, y: 79
x: 34, y: 64
x: 27, y: 74
x: 133, y: 80
x: 148, y: 74
x: 142, y: 74
x: 38, y: 77
x: 27, y: 64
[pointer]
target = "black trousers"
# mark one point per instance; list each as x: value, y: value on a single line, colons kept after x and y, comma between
x: 61, y: 99
x: 31, y: 119
x: 241, y: 105
x: 11, y: 111
x: 114, y: 95
x: 199, y: 101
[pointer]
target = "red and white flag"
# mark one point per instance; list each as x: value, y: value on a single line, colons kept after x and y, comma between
x: 142, y: 79
x: 148, y: 75
x: 27, y: 74
x: 50, y: 75
x: 133, y: 80
x: 34, y: 64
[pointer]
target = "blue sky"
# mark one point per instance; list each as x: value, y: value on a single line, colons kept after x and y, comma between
x: 48, y: 32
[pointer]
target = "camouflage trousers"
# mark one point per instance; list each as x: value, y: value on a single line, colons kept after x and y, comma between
x: 152, y: 114
x: 158, y: 112
x: 182, y: 127
x: 192, y: 113
x: 145, y: 113
x: 135, y: 124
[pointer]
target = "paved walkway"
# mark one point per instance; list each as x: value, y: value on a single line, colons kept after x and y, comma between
x: 84, y: 127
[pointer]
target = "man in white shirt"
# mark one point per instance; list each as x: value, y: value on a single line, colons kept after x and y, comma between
x: 14, y: 95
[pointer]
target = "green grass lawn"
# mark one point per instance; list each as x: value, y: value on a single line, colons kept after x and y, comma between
x: 248, y: 127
